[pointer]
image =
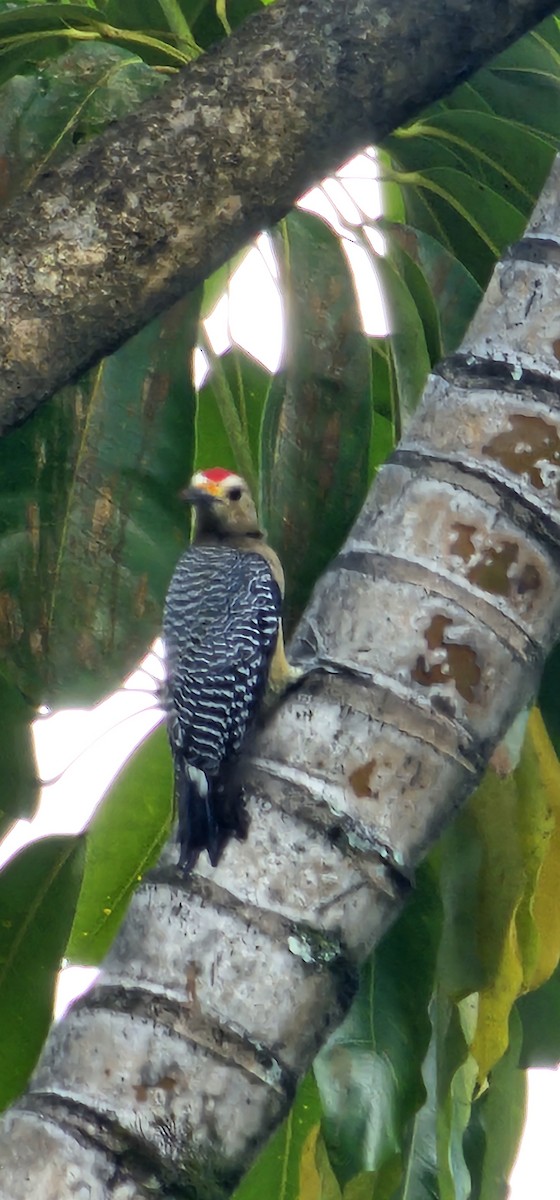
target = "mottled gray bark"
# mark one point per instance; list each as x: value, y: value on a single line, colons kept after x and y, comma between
x: 435, y: 620
x: 164, y: 197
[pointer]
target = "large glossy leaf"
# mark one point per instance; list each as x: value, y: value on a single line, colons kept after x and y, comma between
x: 549, y: 697
x: 385, y: 405
x: 38, y: 892
x: 473, y: 165
x: 30, y: 34
x: 317, y: 422
x: 498, y: 877
x: 19, y: 787
x: 523, y: 82
x: 539, y: 1012
x: 209, y: 28
x: 277, y: 1171
x: 229, y: 414
x: 498, y: 1119
x: 44, y: 116
x: 455, y: 292
x: 477, y: 223
x: 124, y: 839
x: 407, y: 338
x: 485, y: 146
x: 90, y: 520
x: 419, y: 1169
x: 317, y: 1180
x: 538, y: 917
x: 456, y: 1081
x: 369, y: 1073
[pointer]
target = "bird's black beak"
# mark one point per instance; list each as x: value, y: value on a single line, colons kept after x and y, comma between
x: 194, y: 495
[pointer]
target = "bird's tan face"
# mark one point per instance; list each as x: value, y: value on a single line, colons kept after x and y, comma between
x: 224, y: 506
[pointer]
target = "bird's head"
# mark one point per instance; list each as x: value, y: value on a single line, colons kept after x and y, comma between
x: 223, y: 504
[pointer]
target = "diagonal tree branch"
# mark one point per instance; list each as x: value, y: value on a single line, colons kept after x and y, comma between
x: 434, y: 620
x: 162, y: 198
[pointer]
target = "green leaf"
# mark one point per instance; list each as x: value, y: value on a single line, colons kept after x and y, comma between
x: 537, y: 778
x: 472, y: 165
x: 25, y: 17
x: 455, y: 292
x: 91, y: 524
x: 501, y: 1112
x: 539, y: 1012
x: 32, y: 33
x: 38, y: 892
x: 376, y: 1185
x: 415, y: 280
x: 369, y: 1073
x: 317, y: 1180
x: 384, y: 433
x: 489, y: 149
x: 216, y: 284
x: 229, y: 415
x: 317, y: 422
x: 456, y: 1081
x: 477, y: 223
x: 410, y: 356
x: 420, y: 1168
x: 276, y: 1172
x: 43, y: 118
x: 549, y: 697
x: 19, y: 790
x: 124, y: 839
x: 209, y: 29
x: 522, y: 83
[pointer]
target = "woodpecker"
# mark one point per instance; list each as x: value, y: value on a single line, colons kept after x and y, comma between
x: 223, y: 645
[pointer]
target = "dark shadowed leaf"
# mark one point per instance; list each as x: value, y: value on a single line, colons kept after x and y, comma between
x: 229, y: 414
x: 410, y: 357
x: 385, y: 405
x: 124, y: 839
x: 31, y: 34
x: 276, y: 1173
x: 38, y: 892
x: 91, y: 524
x: 216, y: 284
x: 474, y: 163
x: 540, y: 1020
x: 487, y: 147
x: 455, y: 292
x: 477, y: 223
x: 207, y: 26
x: 455, y: 1086
x: 500, y: 1115
x: 43, y: 117
x: 549, y: 697
x: 376, y: 1185
x: 19, y: 789
x: 369, y: 1073
x: 317, y: 422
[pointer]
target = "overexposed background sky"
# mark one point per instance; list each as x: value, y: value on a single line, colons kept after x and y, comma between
x: 87, y: 747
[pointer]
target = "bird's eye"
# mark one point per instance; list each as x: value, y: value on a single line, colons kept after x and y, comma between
x: 234, y: 493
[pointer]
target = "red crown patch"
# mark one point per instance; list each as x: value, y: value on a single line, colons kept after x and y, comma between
x: 216, y: 474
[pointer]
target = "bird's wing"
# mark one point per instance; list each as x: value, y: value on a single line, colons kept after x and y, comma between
x: 220, y: 628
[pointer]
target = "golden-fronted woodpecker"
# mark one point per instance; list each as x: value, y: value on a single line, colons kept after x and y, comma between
x: 223, y: 646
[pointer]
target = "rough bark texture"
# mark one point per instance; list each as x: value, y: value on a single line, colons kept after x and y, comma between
x: 164, y: 197
x: 435, y: 620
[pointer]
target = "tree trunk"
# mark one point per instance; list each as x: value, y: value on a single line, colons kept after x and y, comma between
x: 433, y: 622
x: 149, y: 209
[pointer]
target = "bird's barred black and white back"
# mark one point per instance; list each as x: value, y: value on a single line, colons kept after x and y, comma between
x: 220, y: 627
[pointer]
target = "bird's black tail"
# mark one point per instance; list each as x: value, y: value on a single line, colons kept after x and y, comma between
x: 209, y: 815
